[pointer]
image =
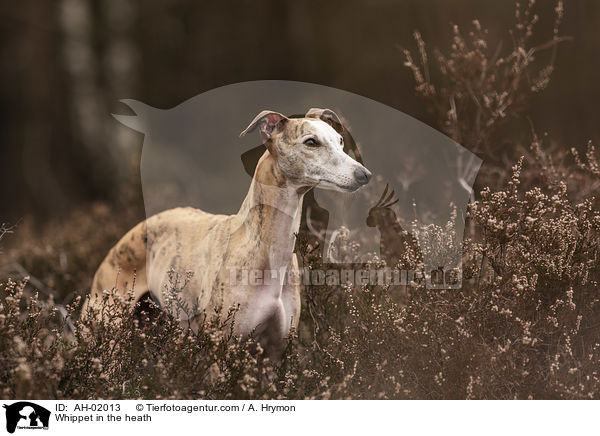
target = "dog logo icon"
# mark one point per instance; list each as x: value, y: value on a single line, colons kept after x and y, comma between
x: 26, y: 415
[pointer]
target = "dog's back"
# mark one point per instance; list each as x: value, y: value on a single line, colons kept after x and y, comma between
x: 160, y: 243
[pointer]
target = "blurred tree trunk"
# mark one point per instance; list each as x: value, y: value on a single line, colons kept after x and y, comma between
x: 120, y: 66
x: 87, y: 100
x: 40, y: 101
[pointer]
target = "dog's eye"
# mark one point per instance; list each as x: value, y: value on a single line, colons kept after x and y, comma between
x: 311, y: 142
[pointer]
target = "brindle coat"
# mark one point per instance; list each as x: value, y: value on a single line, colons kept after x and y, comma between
x: 200, y: 253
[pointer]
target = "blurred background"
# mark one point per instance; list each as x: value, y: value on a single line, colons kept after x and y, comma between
x: 64, y: 65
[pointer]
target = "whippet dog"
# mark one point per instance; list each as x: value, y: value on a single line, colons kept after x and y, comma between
x: 212, y: 251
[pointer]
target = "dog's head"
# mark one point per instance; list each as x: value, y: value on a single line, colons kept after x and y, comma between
x: 309, y: 151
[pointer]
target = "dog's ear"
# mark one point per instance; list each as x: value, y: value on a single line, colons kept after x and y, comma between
x: 268, y: 123
x: 327, y: 115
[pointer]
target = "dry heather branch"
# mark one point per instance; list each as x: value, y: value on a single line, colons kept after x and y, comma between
x: 480, y: 88
x: 4, y: 229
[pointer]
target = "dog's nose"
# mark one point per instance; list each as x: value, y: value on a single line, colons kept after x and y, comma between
x: 362, y: 175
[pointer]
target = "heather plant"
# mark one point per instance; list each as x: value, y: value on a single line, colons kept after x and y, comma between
x: 477, y: 89
x: 124, y: 353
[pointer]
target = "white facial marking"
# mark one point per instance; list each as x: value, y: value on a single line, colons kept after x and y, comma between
x: 316, y: 158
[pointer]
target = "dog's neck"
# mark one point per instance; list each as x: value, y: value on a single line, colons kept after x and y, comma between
x: 271, y: 212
